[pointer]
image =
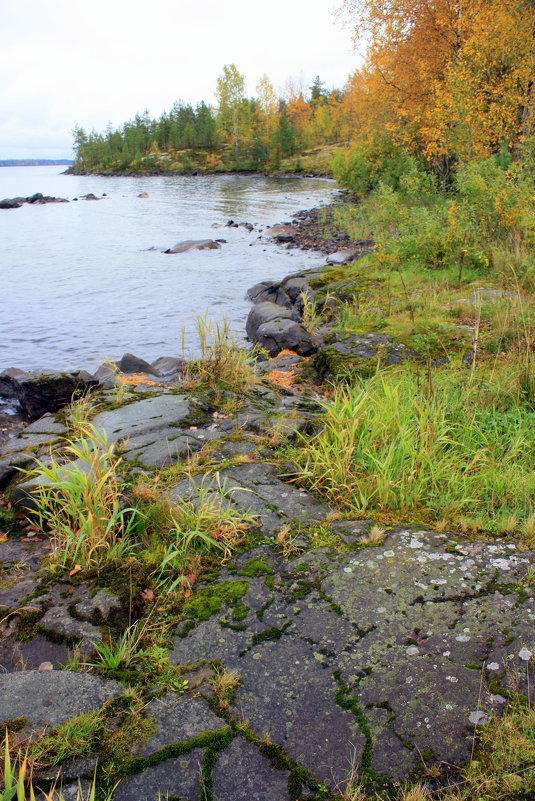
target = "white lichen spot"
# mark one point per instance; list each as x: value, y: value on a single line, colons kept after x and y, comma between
x: 408, y: 680
x: 381, y: 609
x: 478, y: 718
x: 389, y: 554
x: 412, y: 651
x: 525, y: 654
x: 453, y: 679
x: 438, y: 582
x: 501, y: 564
x: 497, y: 699
x: 463, y: 638
x: 448, y: 706
x: 446, y: 653
x: 348, y: 569
x: 493, y: 666
x: 415, y: 543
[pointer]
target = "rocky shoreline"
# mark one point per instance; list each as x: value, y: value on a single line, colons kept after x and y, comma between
x: 358, y: 652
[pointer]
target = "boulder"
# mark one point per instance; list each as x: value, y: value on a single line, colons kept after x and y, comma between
x: 133, y: 364
x: 7, y: 382
x: 193, y: 244
x: 45, y: 391
x: 265, y: 290
x: 143, y: 194
x: 169, y: 366
x: 284, y: 334
x: 343, y: 256
x: 266, y: 312
x: 11, y: 203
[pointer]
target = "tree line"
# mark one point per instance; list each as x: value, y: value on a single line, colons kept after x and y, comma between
x: 446, y: 81
x: 239, y: 133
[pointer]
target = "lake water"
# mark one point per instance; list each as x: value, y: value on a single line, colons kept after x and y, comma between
x: 79, y: 285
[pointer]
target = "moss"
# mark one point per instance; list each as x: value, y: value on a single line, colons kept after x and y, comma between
x: 270, y: 582
x: 346, y: 701
x: 255, y: 567
x: 209, y: 600
x: 272, y: 633
x: 240, y: 612
x: 13, y: 725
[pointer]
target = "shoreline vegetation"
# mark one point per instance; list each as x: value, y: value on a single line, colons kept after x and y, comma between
x: 345, y: 513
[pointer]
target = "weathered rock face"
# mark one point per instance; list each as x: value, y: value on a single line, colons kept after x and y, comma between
x: 45, y: 391
x: 194, y: 244
x: 342, y: 256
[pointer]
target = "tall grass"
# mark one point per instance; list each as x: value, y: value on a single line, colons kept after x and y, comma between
x: 79, y: 502
x: 223, y: 365
x: 437, y: 450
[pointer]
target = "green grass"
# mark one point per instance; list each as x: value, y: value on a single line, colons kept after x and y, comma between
x: 79, y: 503
x: 437, y: 449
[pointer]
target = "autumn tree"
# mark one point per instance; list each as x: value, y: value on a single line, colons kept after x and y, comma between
x: 230, y: 94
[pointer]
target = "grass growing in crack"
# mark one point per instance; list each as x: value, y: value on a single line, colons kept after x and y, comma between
x: 224, y: 683
x: 180, y: 539
x: 72, y: 739
x: 437, y: 450
x: 16, y: 781
x: 223, y: 366
x: 79, y: 503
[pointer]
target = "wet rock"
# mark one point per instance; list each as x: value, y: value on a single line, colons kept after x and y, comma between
x: 266, y: 312
x: 169, y: 366
x: 106, y: 376
x: 264, y: 291
x: 241, y: 773
x: 175, y: 778
x: 48, y: 391
x: 178, y: 719
x: 284, y: 334
x: 133, y: 364
x: 7, y: 382
x: 52, y: 696
x: 46, y: 425
x: 193, y: 244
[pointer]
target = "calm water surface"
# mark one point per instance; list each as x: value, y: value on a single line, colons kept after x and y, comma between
x: 79, y: 286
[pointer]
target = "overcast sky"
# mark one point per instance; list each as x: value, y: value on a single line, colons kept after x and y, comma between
x: 67, y: 62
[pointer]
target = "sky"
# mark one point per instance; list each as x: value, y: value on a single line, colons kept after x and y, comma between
x: 67, y: 62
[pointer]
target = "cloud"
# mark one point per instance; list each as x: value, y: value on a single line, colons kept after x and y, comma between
x: 65, y: 63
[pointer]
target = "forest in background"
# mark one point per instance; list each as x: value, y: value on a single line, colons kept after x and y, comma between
x: 446, y: 81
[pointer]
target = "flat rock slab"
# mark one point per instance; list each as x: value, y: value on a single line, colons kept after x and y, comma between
x: 149, y: 415
x: 178, y: 778
x: 379, y: 654
x: 178, y: 719
x: 241, y: 773
x: 50, y: 698
x: 255, y: 489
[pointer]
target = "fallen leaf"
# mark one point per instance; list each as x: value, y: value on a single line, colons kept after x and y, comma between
x: 187, y: 594
x: 3, y: 537
x: 46, y: 666
x: 147, y: 594
x: 35, y: 539
x: 76, y: 569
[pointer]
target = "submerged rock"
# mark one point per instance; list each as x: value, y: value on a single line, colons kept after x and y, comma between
x: 194, y: 244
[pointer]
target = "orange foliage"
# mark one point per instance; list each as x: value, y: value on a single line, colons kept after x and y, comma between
x: 446, y: 77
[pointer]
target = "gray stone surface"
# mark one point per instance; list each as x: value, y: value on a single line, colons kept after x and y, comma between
x: 52, y: 697
x: 176, y: 778
x: 101, y: 605
x: 47, y: 424
x: 58, y: 621
x: 149, y: 415
x: 256, y: 490
x: 178, y: 719
x: 194, y: 244
x: 406, y: 634
x: 241, y: 773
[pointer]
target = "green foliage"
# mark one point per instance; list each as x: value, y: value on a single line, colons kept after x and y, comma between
x: 79, y: 502
x: 438, y: 450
